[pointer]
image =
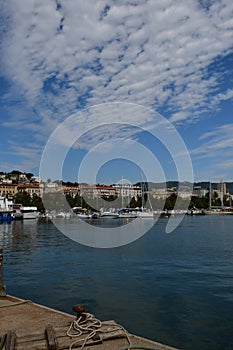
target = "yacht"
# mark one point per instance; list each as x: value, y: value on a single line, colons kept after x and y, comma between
x: 109, y: 214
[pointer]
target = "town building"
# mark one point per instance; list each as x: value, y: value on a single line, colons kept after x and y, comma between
x: 128, y: 190
x: 92, y: 191
x: 8, y: 189
x: 71, y: 190
x: 53, y: 187
x: 32, y: 189
x: 162, y: 193
x: 198, y: 191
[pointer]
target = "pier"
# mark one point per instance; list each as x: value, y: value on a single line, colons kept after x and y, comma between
x: 25, y: 325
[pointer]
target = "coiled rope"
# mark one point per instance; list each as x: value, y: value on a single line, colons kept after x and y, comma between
x: 88, y: 326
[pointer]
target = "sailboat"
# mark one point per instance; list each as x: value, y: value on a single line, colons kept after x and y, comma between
x: 143, y: 212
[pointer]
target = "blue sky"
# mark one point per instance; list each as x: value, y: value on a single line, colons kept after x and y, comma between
x: 61, y: 58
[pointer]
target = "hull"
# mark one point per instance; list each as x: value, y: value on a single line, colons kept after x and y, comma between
x: 24, y: 213
x: 109, y: 216
x: 84, y: 216
x: 30, y: 215
x: 5, y: 216
x: 145, y: 214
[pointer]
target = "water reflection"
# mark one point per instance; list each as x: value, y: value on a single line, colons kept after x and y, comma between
x: 18, y: 236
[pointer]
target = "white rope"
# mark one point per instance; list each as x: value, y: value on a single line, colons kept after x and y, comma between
x: 87, y: 327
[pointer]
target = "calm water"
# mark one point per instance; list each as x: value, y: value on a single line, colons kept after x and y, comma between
x: 174, y: 288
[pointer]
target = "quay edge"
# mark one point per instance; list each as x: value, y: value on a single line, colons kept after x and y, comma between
x: 36, y: 327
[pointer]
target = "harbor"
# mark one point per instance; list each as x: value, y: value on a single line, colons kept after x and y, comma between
x: 174, y: 289
x: 26, y: 325
x: 116, y: 177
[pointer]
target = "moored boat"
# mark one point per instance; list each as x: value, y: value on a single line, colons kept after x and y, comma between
x: 6, y: 209
x: 5, y: 216
x: 83, y: 215
x: 109, y: 214
x: 145, y: 214
x: 21, y: 212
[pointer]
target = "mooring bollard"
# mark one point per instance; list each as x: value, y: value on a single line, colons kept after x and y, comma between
x: 2, y: 287
x: 80, y: 310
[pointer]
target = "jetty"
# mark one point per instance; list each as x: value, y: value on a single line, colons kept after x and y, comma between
x: 25, y: 325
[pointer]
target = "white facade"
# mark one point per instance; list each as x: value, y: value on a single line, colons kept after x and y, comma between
x: 128, y: 190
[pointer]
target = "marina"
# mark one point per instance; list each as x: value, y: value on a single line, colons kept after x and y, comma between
x: 173, y: 289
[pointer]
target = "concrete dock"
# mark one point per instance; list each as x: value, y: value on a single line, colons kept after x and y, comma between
x: 25, y: 325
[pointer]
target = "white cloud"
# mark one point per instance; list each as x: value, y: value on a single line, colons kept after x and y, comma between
x: 217, y: 143
x: 158, y: 44
x: 83, y: 53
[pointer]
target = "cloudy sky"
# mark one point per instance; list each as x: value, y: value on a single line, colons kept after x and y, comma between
x: 59, y: 58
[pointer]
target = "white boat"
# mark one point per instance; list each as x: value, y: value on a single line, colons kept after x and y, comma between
x: 145, y: 214
x: 84, y: 215
x: 127, y: 213
x: 21, y: 212
x: 6, y: 209
x: 108, y: 214
x: 29, y: 212
x: 81, y: 213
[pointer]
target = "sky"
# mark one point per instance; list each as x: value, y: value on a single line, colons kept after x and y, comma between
x: 104, y: 80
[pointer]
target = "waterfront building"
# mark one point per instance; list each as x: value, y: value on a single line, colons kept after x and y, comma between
x: 8, y: 189
x: 32, y: 189
x: 98, y: 191
x: 128, y: 190
x: 71, y: 190
x: 53, y: 187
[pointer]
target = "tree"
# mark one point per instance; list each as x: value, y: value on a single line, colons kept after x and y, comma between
x: 23, y: 198
x: 29, y: 175
x: 170, y: 201
x: 37, y: 202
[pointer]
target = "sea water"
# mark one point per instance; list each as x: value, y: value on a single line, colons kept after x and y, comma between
x: 174, y: 288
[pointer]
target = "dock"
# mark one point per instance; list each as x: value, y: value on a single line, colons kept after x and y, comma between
x: 25, y: 325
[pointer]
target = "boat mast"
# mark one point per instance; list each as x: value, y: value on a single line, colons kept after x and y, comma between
x: 210, y: 196
x: 122, y: 202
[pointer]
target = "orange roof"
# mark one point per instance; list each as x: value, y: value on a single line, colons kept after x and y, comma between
x: 29, y: 186
x: 7, y: 184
